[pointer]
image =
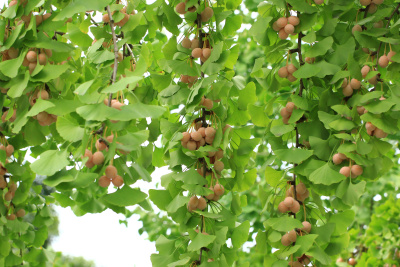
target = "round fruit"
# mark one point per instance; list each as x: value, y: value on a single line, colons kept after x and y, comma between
x: 197, y: 52
x: 275, y: 27
x: 206, y: 53
x: 360, y: 110
x: 8, y: 196
x: 186, y: 43
x: 111, y: 172
x: 106, y: 18
x: 11, y: 217
x: 219, y: 190
x: 100, y: 145
x: 336, y: 159
x: 345, y: 171
x: 373, y: 80
x: 365, y: 70
x: 211, y: 195
x: 208, y: 103
x: 352, y: 262
x: 292, y: 236
x: 379, y: 133
x: 293, y: 20
x: 282, y: 34
x: 117, y: 181
x: 355, y: 84
x: 378, y: 24
x: 282, y: 22
x: 347, y: 91
x: 285, y: 113
x: 291, y: 68
x: 219, y: 154
x: 196, y: 136
x: 301, y: 188
x: 377, y: 2
x: 20, y: 213
x: 210, y: 131
x: 9, y: 150
x: 282, y: 207
x: 31, y: 56
x: 344, y: 84
x: 89, y: 164
x: 43, y: 94
x: 191, y: 145
x: 291, y: 78
x: 12, y: 52
x: 195, y: 43
x: 296, y: 207
x: 390, y: 55
x: 306, y: 226
x: 181, y: 8
x: 383, y: 61
x: 193, y: 202
x: 372, y: 8
x: 285, y: 240
x: 369, y: 126
x: 289, y: 202
x: 356, y: 170
x: 356, y: 28
x: 282, y: 72
x: 218, y: 166
x: 206, y: 14
x: 104, y: 181
x: 365, y: 2
x: 202, y: 203
x: 98, y: 158
x: 290, y: 106
x: 318, y: 2
x: 289, y: 29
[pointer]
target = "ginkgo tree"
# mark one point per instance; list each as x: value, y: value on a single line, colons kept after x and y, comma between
x: 277, y: 119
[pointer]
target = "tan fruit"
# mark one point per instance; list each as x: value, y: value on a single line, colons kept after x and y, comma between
x: 295, y: 264
x: 377, y: 2
x: 98, y: 158
x: 360, y: 110
x: 318, y: 2
x: 373, y: 80
x: 26, y: 62
x: 355, y: 84
x: 275, y: 27
x: 282, y: 207
x: 3, y: 183
x: 32, y: 67
x: 106, y: 18
x: 296, y: 207
x: 193, y: 202
x: 104, y: 181
x: 301, y: 188
x: 336, y: 159
x: 118, y: 181
x: 196, y: 136
x: 289, y: 29
x: 186, y: 43
x: 347, y: 91
x: 379, y: 133
x: 12, y: 52
x: 208, y: 103
x: 210, y: 131
x: 39, y: 19
x: 293, y: 20
x: 202, y: 131
x: 365, y: 2
x: 345, y: 171
x: 209, y: 140
x: 88, y: 154
x: 285, y: 120
x: 378, y: 24
x: 302, y: 197
x: 202, y: 204
x: 369, y: 126
x: 352, y: 262
x: 289, y: 202
x: 211, y: 195
x: 372, y: 8
x: 191, y: 145
x: 100, y: 145
x: 219, y: 189
x: 285, y: 113
x: 285, y: 240
x: 20, y: 213
x: 390, y: 55
x: 218, y: 166
x: 383, y: 61
x: 291, y: 68
x: 206, y: 53
x: 219, y: 154
x: 8, y: 196
x: 12, y: 187
x: 184, y: 78
x: 365, y: 70
x: 292, y: 236
x: 283, y: 72
x: 195, y: 43
x: 197, y: 52
x: 291, y: 78
x: 306, y: 226
x: 282, y: 34
x: 282, y: 22
x: 356, y: 170
x: 206, y: 14
x: 43, y: 94
x: 123, y: 21
x: 9, y: 150
x: 46, y: 16
x: 11, y: 217
x: 31, y: 56
x: 344, y: 84
x: 181, y: 8
x: 211, y: 153
x: 111, y: 172
x: 42, y: 59
x: 186, y: 137
x: 356, y: 28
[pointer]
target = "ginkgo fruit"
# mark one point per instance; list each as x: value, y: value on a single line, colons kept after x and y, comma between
x: 289, y: 202
x: 337, y: 159
x: 282, y: 207
x: 301, y: 188
x: 356, y: 170
x: 292, y: 235
x: 206, y: 14
x: 100, y: 145
x: 197, y: 52
x: 345, y: 171
x: 390, y: 55
x: 285, y: 113
x: 186, y: 43
x: 191, y: 145
x: 193, y: 202
x: 282, y: 22
x: 196, y: 136
x: 31, y: 56
x: 383, y: 61
x: 306, y: 226
x: 296, y: 207
x: 348, y: 90
x: 219, y: 190
x: 285, y: 240
x: 111, y: 172
x: 211, y: 195
x: 98, y: 158
x: 356, y: 28
x: 117, y: 181
x: 283, y: 35
x: 355, y: 84
x: 293, y: 20
x: 352, y: 261
x: 365, y: 2
x: 202, y: 203
x: 20, y: 213
x: 104, y: 181
x: 283, y: 72
x: 365, y: 70
x: 181, y: 8
x: 218, y: 166
x: 289, y: 29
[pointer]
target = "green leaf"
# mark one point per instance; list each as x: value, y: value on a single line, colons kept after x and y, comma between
x: 40, y: 105
x: 305, y: 242
x: 326, y: 175
x: 273, y: 176
x: 125, y: 196
x: 69, y: 129
x: 306, y: 71
x: 320, y: 48
x: 350, y: 193
x: 161, y: 198
x: 200, y: 241
x: 121, y: 84
x: 342, y: 220
x: 240, y: 234
x: 294, y: 155
x: 50, y: 162
x: 283, y: 224
x: 279, y: 130
x: 258, y: 116
x: 177, y: 203
x: 18, y: 85
x: 50, y: 72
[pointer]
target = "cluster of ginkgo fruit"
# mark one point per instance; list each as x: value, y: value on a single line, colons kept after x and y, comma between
x: 372, y: 130
x: 349, y: 87
x: 285, y: 26
x: 43, y: 118
x: 286, y: 112
x: 11, y: 188
x: 111, y: 176
x: 36, y: 56
x: 123, y: 21
x: 304, y: 260
x: 198, y: 138
x: 373, y: 5
x: 287, y: 72
x: 5, y: 115
x: 349, y: 171
x: 182, y: 9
